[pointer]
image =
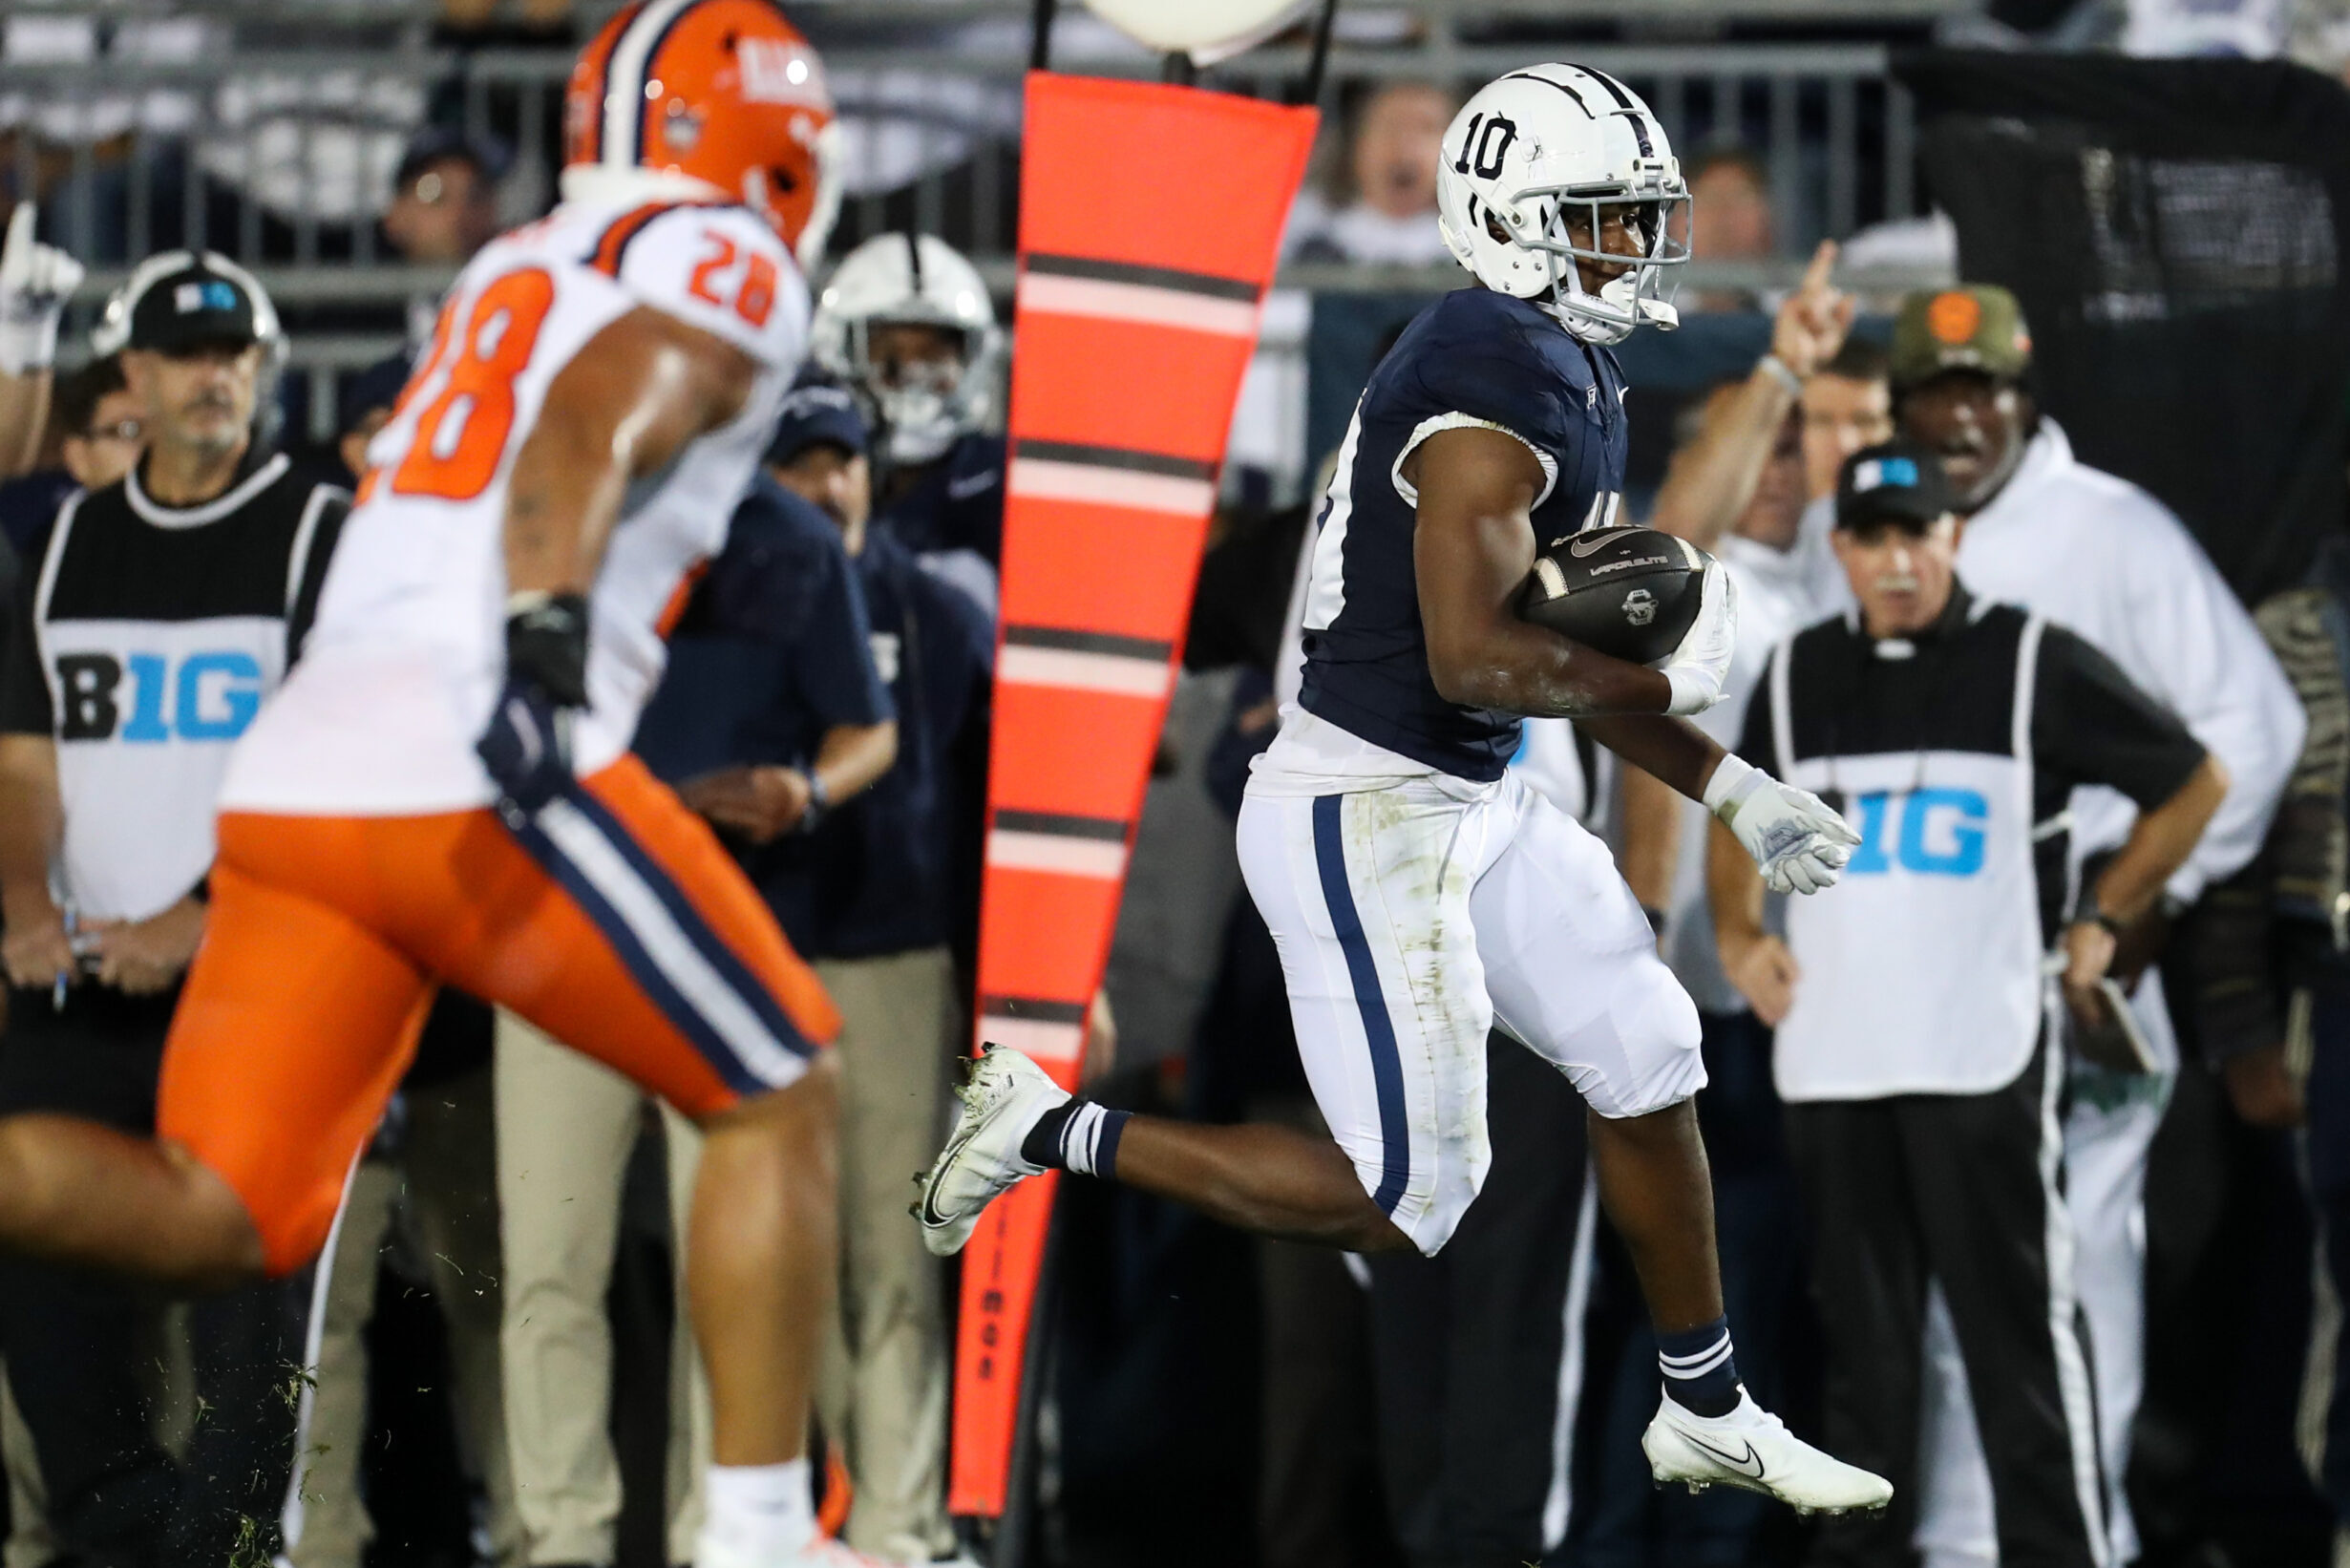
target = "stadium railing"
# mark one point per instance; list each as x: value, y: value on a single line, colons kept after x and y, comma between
x: 269, y: 129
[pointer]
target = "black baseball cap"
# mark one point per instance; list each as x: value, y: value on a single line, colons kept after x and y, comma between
x: 180, y: 302
x: 816, y: 412
x: 489, y: 157
x: 1899, y: 481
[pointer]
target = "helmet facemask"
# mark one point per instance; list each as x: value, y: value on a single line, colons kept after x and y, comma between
x: 1642, y: 294
x: 921, y: 406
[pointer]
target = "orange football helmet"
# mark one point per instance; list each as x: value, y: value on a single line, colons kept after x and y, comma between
x: 726, y: 92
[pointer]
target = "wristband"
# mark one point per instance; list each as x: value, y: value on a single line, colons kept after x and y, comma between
x: 819, y: 802
x: 1734, y: 779
x: 28, y: 344
x: 2098, y: 914
x: 1691, y: 692
x: 546, y: 642
x: 1783, y: 373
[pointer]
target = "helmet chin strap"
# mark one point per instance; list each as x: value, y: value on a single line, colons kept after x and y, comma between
x: 1573, y: 306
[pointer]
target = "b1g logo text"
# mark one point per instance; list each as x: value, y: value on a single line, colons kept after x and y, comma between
x: 143, y: 697
x: 1941, y: 832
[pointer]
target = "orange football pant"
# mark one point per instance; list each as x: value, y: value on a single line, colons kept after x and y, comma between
x: 613, y: 919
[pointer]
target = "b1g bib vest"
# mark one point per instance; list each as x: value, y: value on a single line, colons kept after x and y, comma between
x: 1920, y: 970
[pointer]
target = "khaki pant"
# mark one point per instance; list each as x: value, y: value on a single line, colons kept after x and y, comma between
x: 446, y: 1171
x: 882, y: 1388
x: 29, y: 1545
x: 565, y: 1126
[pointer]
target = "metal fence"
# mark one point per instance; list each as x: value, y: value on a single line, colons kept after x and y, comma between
x: 270, y: 129
x: 271, y: 132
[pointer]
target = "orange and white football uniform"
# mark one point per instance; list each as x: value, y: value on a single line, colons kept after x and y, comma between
x: 360, y: 858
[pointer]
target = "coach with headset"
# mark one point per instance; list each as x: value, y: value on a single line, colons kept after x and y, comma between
x: 163, y: 610
x: 1920, y: 1046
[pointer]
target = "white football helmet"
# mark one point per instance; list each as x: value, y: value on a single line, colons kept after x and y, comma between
x: 921, y: 279
x: 1531, y: 169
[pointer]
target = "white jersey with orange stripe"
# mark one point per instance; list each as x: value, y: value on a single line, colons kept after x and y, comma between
x: 408, y: 653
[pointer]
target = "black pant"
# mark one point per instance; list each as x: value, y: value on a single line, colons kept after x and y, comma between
x: 79, y: 1343
x: 1956, y: 1188
x: 1622, y: 1519
x: 1470, y: 1343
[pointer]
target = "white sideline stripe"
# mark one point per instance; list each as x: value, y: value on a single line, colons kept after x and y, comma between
x: 1045, y: 480
x: 1063, y: 296
x: 673, y: 952
x: 1061, y: 666
x: 293, y: 1517
x: 1558, y: 1506
x: 1034, y: 1037
x: 2076, y: 1393
x: 1017, y: 851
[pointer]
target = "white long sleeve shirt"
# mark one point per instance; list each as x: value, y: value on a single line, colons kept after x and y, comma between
x: 2096, y: 554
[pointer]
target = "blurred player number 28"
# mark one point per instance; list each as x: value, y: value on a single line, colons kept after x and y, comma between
x: 456, y: 461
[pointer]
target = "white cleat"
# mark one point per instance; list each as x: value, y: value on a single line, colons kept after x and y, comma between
x: 1002, y: 1100
x: 1751, y: 1448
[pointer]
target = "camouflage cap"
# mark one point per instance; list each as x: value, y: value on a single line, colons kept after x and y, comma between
x: 1974, y: 327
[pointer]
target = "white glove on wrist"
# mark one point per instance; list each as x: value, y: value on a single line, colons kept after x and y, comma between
x: 35, y: 281
x: 1798, y: 842
x: 1701, y: 662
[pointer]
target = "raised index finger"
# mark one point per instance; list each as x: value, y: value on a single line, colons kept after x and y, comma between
x: 20, y: 232
x: 1823, y: 263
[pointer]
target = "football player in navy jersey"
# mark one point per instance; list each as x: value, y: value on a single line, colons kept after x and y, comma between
x: 906, y: 322
x: 1418, y: 891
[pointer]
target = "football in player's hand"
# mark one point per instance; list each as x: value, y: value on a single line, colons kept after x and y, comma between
x: 1631, y: 593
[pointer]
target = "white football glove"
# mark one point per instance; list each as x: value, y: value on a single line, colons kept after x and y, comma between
x: 35, y: 281
x: 1798, y: 842
x: 1701, y: 662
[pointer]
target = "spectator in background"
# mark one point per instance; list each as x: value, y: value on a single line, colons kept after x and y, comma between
x: 168, y: 607
x: 906, y: 324
x: 444, y: 207
x: 1714, y: 475
x: 2094, y: 553
x: 1915, y: 1044
x: 770, y: 716
x: 1847, y: 405
x: 99, y: 431
x: 889, y: 906
x: 444, y: 197
x: 2271, y: 964
x: 1730, y: 219
x: 1383, y: 211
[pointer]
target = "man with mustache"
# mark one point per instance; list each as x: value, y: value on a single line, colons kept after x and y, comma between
x: 163, y: 607
x: 1921, y: 1092
x: 2094, y: 553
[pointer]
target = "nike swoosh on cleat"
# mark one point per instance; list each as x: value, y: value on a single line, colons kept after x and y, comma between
x: 1749, y: 1463
x: 930, y: 1215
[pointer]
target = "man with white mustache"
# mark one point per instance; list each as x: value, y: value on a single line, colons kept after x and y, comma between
x: 2094, y: 553
x: 1921, y: 1093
